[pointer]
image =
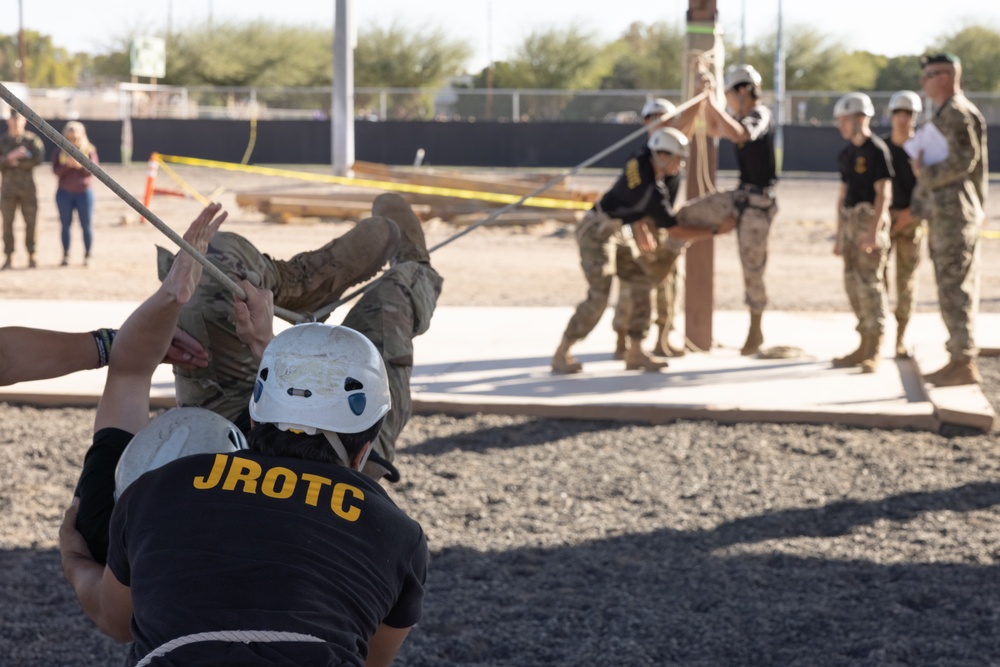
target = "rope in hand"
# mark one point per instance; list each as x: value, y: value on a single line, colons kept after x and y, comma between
x: 59, y: 140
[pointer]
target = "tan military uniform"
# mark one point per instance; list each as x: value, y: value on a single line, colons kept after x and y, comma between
x: 864, y: 272
x: 956, y: 190
x: 18, y: 188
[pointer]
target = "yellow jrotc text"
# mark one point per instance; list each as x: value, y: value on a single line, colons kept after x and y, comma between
x: 632, y: 174
x: 279, y: 482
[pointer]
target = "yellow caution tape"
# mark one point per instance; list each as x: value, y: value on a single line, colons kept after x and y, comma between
x: 537, y: 202
x: 990, y: 233
x: 185, y: 186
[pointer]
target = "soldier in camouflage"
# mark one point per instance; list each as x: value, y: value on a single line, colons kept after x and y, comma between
x: 394, y: 311
x: 20, y: 152
x: 956, y: 189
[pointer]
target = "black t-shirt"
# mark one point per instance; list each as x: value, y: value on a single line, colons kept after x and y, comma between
x: 637, y: 193
x: 755, y: 156
x: 904, y: 180
x: 226, y: 542
x: 861, y: 167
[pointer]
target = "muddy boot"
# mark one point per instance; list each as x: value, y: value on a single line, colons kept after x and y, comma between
x: 957, y: 372
x: 873, y: 354
x: 854, y: 358
x: 901, y: 351
x: 7, y: 264
x: 562, y: 361
x: 620, y: 347
x: 636, y: 359
x: 755, y: 337
x: 413, y: 244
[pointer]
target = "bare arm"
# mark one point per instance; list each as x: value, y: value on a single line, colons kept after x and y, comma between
x: 384, y: 645
x: 721, y: 124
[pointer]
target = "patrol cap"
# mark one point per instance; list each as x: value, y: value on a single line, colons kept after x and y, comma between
x: 934, y: 58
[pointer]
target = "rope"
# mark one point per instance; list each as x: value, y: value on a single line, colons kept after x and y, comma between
x: 61, y: 141
x: 323, y: 312
x: 245, y: 636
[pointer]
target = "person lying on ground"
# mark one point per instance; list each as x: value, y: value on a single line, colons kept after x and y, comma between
x: 283, y: 554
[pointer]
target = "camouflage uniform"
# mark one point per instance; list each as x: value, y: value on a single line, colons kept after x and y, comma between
x: 18, y: 188
x: 956, y: 190
x: 864, y: 271
x: 754, y: 209
x: 390, y: 315
x: 632, y: 291
x: 906, y: 245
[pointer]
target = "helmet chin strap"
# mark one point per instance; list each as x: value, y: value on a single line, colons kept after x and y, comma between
x: 338, y: 447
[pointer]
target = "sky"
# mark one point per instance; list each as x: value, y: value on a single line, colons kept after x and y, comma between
x: 495, y: 27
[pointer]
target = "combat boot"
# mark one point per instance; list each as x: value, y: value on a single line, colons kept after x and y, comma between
x: 755, y: 337
x: 6, y: 264
x: 32, y: 264
x: 412, y: 244
x: 562, y: 361
x: 854, y: 358
x: 873, y: 354
x: 620, y: 347
x: 636, y: 359
x: 957, y: 372
x: 901, y: 351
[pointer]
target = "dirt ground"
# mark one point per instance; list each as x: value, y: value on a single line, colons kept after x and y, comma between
x: 560, y: 542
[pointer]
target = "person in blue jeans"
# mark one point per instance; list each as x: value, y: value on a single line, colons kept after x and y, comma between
x: 75, y: 190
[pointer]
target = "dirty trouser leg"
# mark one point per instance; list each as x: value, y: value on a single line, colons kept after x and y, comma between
x: 863, y: 271
x: 597, y: 237
x: 669, y: 253
x: 623, y: 308
x: 640, y: 286
x: 752, y: 232
x: 29, y: 211
x: 391, y: 314
x: 8, y: 208
x: 906, y: 245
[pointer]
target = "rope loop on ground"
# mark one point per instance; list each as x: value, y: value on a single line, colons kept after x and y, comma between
x: 243, y: 636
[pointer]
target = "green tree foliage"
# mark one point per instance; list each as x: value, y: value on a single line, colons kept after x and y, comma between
x: 899, y: 73
x: 559, y: 58
x: 396, y: 57
x: 46, y: 65
x: 813, y: 61
x: 645, y: 57
x: 979, y: 48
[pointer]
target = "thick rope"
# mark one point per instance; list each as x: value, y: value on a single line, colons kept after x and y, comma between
x: 61, y: 141
x: 244, y: 636
x: 323, y: 312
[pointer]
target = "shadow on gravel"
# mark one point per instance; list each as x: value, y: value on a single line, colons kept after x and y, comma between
x: 667, y: 598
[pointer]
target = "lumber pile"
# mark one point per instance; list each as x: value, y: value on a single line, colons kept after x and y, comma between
x: 348, y: 203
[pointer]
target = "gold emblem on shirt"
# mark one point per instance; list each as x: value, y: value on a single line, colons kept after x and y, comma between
x: 860, y: 165
x: 632, y: 174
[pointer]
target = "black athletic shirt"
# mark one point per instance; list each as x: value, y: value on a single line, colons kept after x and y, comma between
x: 863, y: 166
x: 637, y: 194
x: 904, y: 180
x: 755, y: 156
x: 252, y: 542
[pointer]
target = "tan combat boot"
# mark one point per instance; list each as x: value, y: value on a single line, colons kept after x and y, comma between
x: 755, y: 337
x: 957, y: 372
x: 873, y: 354
x: 854, y: 358
x: 562, y: 361
x: 621, y: 346
x: 413, y: 244
x: 636, y: 359
x: 901, y: 351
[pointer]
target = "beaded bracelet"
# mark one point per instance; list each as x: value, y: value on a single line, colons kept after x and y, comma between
x: 104, y: 338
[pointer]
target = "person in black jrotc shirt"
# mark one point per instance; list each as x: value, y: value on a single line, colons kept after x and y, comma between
x: 862, y: 225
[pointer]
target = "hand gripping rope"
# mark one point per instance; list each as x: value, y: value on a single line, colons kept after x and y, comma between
x: 102, y: 176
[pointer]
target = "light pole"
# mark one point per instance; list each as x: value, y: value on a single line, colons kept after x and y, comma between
x: 779, y: 93
x: 22, y: 48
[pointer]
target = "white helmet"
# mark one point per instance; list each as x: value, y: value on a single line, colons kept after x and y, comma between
x: 670, y: 140
x: 318, y: 377
x: 853, y: 103
x: 658, y: 106
x: 175, y: 433
x: 905, y: 100
x: 742, y: 74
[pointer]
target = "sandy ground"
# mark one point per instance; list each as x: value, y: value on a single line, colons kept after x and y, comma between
x: 587, y: 543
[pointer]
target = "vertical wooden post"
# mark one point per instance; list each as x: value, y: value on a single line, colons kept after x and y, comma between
x: 699, y: 300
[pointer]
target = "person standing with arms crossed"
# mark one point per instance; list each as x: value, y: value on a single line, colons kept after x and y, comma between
x: 20, y: 152
x: 957, y: 191
x: 75, y: 190
x: 906, y: 231
x: 749, y: 125
x: 862, y: 225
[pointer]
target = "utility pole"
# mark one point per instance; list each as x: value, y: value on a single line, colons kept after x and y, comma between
x: 22, y: 48
x: 342, y: 118
x: 699, y: 285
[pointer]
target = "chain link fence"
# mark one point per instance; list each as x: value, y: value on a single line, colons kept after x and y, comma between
x: 446, y: 105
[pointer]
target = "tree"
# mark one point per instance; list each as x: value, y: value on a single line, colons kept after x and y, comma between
x: 560, y: 58
x: 418, y: 58
x: 979, y: 49
x: 645, y: 57
x: 46, y: 65
x: 899, y: 73
x: 813, y: 61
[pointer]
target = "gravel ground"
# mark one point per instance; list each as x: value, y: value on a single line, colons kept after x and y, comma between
x: 558, y: 542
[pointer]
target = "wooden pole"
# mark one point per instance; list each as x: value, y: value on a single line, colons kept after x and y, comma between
x: 699, y: 300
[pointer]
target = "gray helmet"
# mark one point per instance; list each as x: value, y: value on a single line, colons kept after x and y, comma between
x: 905, y: 100
x: 853, y: 103
x: 669, y: 140
x: 174, y: 434
x: 657, y: 106
x: 738, y: 75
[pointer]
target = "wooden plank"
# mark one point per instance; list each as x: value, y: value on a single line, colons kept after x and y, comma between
x: 964, y: 405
